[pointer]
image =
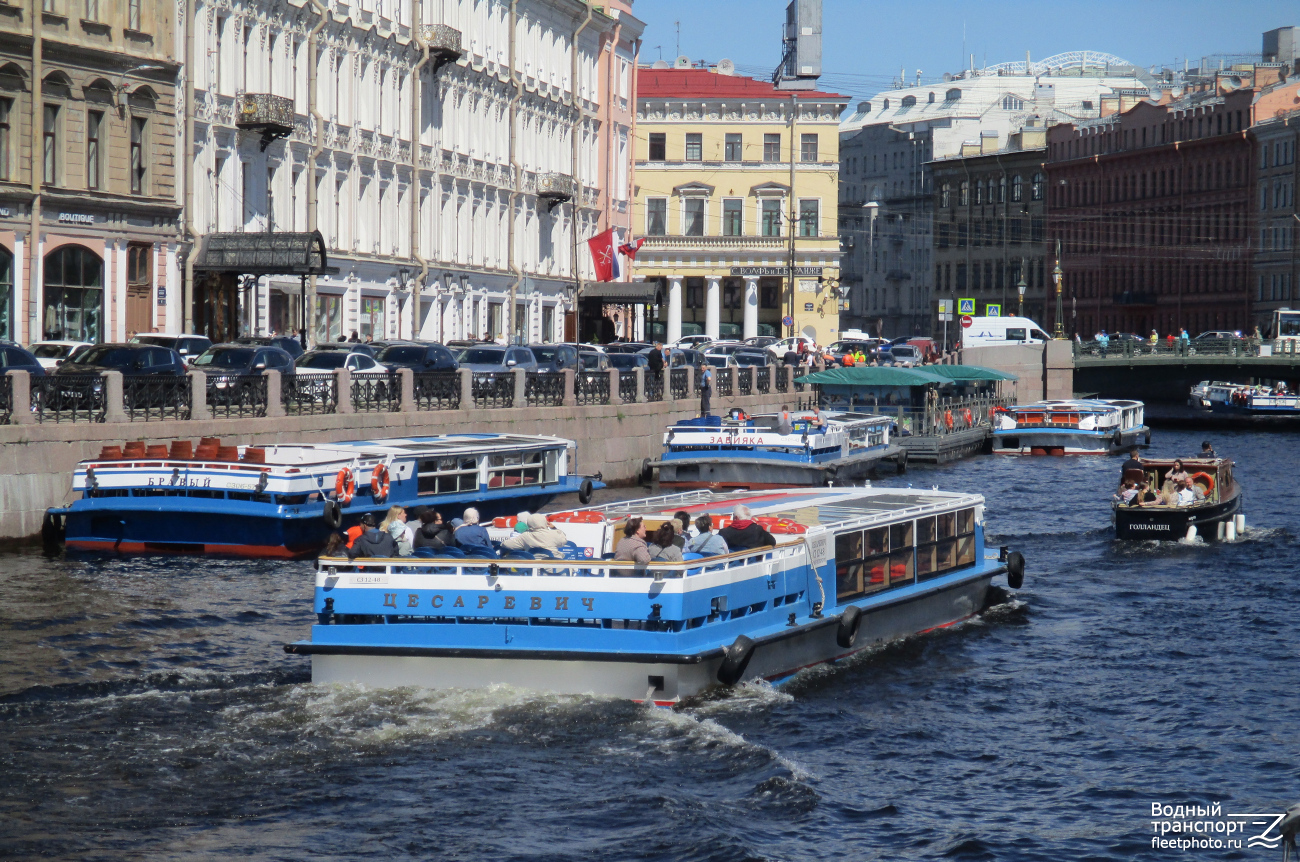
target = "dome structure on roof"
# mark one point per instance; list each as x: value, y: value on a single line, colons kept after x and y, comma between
x: 1059, y: 62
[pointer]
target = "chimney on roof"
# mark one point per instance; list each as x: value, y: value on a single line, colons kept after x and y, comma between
x: 988, y: 142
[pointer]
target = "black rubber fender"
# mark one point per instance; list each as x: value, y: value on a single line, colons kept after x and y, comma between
x: 585, y: 490
x: 1117, y: 438
x: 900, y: 462
x: 333, y: 514
x: 1015, y: 570
x: 1148, y: 438
x: 850, y: 621
x: 736, y: 660
x: 647, y: 472
x: 52, y: 528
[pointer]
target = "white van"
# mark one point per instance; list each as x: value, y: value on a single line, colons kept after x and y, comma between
x: 1001, y: 331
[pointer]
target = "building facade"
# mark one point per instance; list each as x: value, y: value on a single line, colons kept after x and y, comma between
x: 887, y: 147
x: 452, y: 155
x: 990, y: 225
x: 1156, y: 208
x: 735, y: 180
x: 1277, y: 262
x: 89, y: 222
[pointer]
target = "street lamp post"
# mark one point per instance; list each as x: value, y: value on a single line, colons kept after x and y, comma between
x: 1021, y: 287
x: 1059, y: 333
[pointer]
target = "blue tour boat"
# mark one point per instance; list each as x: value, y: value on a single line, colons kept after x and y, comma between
x: 1069, y: 427
x: 852, y: 568
x: 283, y: 501
x: 1241, y: 398
x: 742, y: 451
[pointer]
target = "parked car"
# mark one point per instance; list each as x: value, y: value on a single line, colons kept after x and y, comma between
x: 1216, y: 335
x: 491, y: 357
x: 14, y: 357
x: 758, y: 357
x: 687, y: 342
x: 350, y: 347
x: 229, y: 366
x: 417, y: 356
x: 905, y: 355
x: 322, y: 363
x: 724, y: 347
x: 132, y: 360
x: 626, y: 347
x: 761, y: 340
x: 288, y: 343
x: 779, y: 348
x: 870, y: 349
x: 628, y: 361
x: 188, y: 346
x: 592, y: 362
x: 554, y: 357
x: 720, y: 360
x: 52, y: 354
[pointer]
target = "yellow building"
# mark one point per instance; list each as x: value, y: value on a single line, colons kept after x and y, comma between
x: 729, y: 187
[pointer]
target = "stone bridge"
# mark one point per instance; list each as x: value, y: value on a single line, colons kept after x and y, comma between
x: 1166, y: 375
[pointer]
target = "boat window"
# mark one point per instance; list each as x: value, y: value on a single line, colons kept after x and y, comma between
x: 966, y: 521
x: 866, y: 563
x: 947, y: 525
x: 515, y: 468
x: 447, y: 475
x: 925, y: 531
x: 948, y: 545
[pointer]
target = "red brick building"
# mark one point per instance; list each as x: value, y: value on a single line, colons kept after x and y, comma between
x: 1155, y: 209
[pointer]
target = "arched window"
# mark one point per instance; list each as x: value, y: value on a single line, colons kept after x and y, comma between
x: 886, y: 107
x: 1037, y: 189
x: 6, y: 294
x: 945, y: 195
x: 74, y: 294
x: 1012, y: 103
x: 931, y: 97
x: 952, y: 95
x: 909, y: 101
x: 1017, y: 194
x: 963, y: 195
x: 993, y: 191
x: 1002, y: 190
x: 979, y: 193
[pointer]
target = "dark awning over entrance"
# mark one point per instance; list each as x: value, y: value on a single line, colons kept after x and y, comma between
x: 265, y: 254
x: 624, y: 292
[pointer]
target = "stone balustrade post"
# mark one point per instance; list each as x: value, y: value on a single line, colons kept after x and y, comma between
x: 199, y: 396
x: 615, y: 397
x: 521, y: 388
x: 343, y: 383
x: 788, y: 371
x: 466, y: 389
x: 570, y: 392
x: 734, y: 371
x: 114, y: 410
x: 20, y: 398
x: 640, y: 385
x: 274, y: 394
x: 406, y: 379
x: 690, y: 382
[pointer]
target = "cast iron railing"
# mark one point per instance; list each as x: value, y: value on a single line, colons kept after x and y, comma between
x: 156, y: 397
x: 627, y: 385
x: 307, y: 394
x: 437, y: 390
x: 763, y: 379
x: 376, y: 392
x: 544, y: 388
x: 592, y: 387
x: 745, y: 380
x: 68, y: 398
x: 239, y: 395
x: 494, y: 389
x: 677, y: 382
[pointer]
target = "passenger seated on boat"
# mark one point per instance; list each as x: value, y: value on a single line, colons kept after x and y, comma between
x: 395, y: 523
x: 1127, y: 491
x: 1207, y: 451
x: 432, y: 532
x: 1131, y: 465
x: 661, y: 548
x: 1198, y: 493
x: 471, y: 533
x: 374, y: 542
x: 335, y: 546
x: 354, y: 532
x: 632, y: 547
x: 1177, y: 474
x: 707, y: 543
x: 539, y: 536
x: 743, y: 533
x: 784, y: 425
x: 1145, y: 496
x: 1186, y: 496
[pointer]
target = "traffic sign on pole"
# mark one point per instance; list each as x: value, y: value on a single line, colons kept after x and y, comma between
x: 966, y: 321
x: 787, y: 321
x: 966, y: 306
x: 992, y: 311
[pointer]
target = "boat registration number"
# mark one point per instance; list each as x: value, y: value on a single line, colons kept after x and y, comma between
x: 370, y: 579
x: 740, y: 441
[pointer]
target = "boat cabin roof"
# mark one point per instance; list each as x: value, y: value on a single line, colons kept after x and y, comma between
x: 1076, y: 405
x: 446, y: 445
x: 769, y: 421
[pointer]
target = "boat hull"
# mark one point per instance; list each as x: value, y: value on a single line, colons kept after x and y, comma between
x: 1067, y: 442
x: 713, y: 472
x: 1145, y: 522
x: 665, y: 679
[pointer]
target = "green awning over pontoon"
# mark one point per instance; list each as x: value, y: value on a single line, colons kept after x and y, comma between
x: 968, y: 373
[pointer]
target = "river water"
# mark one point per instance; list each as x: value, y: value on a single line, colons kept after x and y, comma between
x: 148, y: 712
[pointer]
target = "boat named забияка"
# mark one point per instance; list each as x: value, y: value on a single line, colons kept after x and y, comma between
x: 751, y: 452
x: 1069, y: 427
x: 283, y: 501
x: 852, y: 568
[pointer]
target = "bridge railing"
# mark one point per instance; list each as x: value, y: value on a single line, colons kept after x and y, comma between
x: 1119, y: 349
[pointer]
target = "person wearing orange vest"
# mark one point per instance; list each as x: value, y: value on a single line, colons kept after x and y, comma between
x: 849, y: 361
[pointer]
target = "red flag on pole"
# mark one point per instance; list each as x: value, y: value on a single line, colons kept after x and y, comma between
x: 631, y: 248
x: 603, y: 255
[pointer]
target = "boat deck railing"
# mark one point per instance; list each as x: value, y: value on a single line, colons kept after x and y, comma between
x: 938, y: 418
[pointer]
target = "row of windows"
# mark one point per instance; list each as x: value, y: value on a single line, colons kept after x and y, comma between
x: 991, y: 232
x: 733, y: 293
x: 694, y: 214
x: 1159, y: 278
x: 89, y: 10
x: 1283, y: 196
x: 1273, y: 288
x: 1149, y: 231
x: 885, y: 161
x: 989, y: 275
x: 869, y: 561
x: 1277, y: 153
x: 54, y: 143
x: 1107, y: 139
x: 733, y: 148
x: 993, y: 191
x: 953, y: 94
x: 1276, y: 237
x: 1146, y: 184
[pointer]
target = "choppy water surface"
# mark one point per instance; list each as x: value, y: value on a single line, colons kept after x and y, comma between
x: 148, y: 712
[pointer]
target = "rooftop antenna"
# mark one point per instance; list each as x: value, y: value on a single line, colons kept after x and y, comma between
x: 963, y: 40
x: 679, y: 37
x: 660, y: 49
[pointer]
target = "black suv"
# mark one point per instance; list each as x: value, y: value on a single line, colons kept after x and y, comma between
x: 229, y: 366
x: 188, y: 346
x: 417, y: 356
x: 555, y: 357
x: 16, y: 358
x: 288, y: 343
x: 71, y: 387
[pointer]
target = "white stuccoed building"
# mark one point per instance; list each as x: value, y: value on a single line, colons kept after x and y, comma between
x: 303, y: 118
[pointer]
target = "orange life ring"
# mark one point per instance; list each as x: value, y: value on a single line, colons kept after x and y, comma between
x: 1209, y: 480
x: 947, y: 419
x: 576, y: 518
x: 345, y: 486
x: 504, y: 522
x: 379, y: 483
x: 785, y: 526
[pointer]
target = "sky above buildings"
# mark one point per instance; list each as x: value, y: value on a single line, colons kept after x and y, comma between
x: 866, y: 43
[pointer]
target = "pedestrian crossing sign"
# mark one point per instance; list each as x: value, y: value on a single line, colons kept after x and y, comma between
x: 992, y: 311
x: 965, y: 306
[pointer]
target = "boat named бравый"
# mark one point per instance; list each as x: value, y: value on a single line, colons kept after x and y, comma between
x: 1069, y: 427
x: 851, y: 568
x: 751, y: 452
x: 283, y: 501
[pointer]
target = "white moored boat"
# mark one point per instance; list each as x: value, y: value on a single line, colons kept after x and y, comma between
x: 1069, y: 427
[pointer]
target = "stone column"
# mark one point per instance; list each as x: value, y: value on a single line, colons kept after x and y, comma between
x: 751, y: 306
x: 113, y: 407
x: 20, y: 394
x: 674, y: 332
x: 615, y: 397
x: 570, y: 393
x: 788, y: 371
x: 735, y: 380
x: 712, y: 306
x: 406, y: 379
x: 274, y: 399
x: 640, y: 385
x: 199, y: 396
x: 521, y: 387
x: 690, y: 382
x: 343, y: 383
x: 466, y: 389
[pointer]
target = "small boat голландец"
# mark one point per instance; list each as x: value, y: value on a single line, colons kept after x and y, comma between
x: 1069, y: 427
x: 852, y: 568
x: 1220, y: 507
x: 284, y: 500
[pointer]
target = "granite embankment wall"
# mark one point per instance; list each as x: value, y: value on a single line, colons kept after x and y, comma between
x: 37, y: 461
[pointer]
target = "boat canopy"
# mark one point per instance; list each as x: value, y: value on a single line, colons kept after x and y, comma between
x: 884, y: 375
x: 969, y: 373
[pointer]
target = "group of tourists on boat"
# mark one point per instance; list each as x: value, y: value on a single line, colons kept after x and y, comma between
x: 1178, y: 489
x: 678, y: 535
x: 396, y: 536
